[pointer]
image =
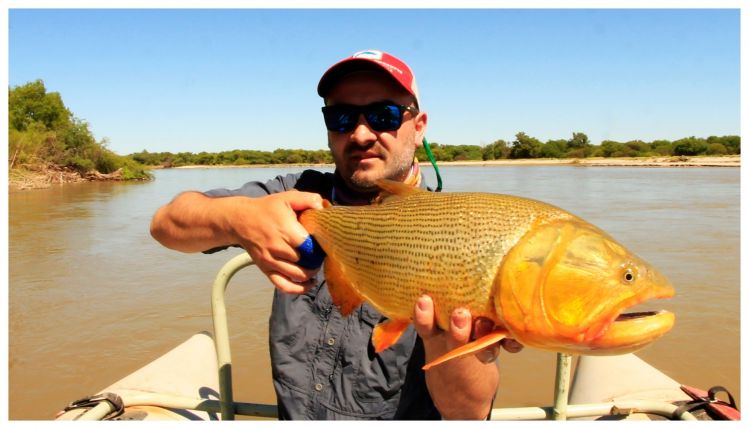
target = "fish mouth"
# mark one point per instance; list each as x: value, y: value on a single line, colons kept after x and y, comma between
x: 632, y: 331
x: 636, y: 315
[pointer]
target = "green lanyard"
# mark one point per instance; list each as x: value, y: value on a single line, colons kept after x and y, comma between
x: 434, y: 163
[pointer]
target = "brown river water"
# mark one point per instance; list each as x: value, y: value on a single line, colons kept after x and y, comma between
x: 92, y: 297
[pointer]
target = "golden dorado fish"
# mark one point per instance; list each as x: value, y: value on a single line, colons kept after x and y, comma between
x: 545, y: 277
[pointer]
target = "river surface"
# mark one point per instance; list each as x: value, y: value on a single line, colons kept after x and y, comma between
x: 93, y: 297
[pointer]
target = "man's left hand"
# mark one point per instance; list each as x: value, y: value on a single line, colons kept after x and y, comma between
x: 460, y: 332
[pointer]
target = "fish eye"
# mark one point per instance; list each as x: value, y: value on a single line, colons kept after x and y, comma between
x: 628, y: 276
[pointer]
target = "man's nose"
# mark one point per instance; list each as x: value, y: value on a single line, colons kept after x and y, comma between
x: 362, y: 134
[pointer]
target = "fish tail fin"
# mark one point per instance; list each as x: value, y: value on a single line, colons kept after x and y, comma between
x: 387, y: 333
x: 472, y: 347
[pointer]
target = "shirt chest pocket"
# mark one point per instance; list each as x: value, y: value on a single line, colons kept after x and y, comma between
x: 378, y: 377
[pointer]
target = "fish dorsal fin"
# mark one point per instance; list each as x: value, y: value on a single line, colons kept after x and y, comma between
x: 391, y: 189
x: 341, y: 290
x: 493, y: 337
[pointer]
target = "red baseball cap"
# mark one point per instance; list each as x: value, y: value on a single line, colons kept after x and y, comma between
x: 370, y: 60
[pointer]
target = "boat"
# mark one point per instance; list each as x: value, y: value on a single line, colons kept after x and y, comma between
x: 193, y: 381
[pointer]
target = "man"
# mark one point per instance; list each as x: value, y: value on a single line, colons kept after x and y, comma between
x: 323, y: 364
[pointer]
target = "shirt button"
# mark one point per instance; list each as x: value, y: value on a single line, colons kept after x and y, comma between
x: 318, y: 387
x: 331, y: 341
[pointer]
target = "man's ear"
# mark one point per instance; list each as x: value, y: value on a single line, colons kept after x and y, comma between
x: 420, y: 126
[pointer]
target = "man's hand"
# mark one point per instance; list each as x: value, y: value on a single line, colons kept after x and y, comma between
x: 273, y: 242
x: 461, y: 388
x: 266, y: 227
x: 460, y: 332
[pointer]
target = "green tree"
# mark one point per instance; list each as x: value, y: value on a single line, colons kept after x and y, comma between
x: 31, y: 103
x: 487, y: 153
x: 525, y: 147
x: 499, y: 150
x: 716, y: 149
x: 42, y: 130
x: 579, y: 146
x: 661, y: 147
x: 690, y: 146
x: 554, y: 149
x: 731, y: 143
x: 638, y: 147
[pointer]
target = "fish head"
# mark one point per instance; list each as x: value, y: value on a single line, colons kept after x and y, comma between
x: 566, y: 284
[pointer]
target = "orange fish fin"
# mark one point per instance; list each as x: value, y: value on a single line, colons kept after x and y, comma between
x: 307, y: 217
x: 343, y: 293
x: 387, y: 333
x: 391, y: 189
x: 472, y: 347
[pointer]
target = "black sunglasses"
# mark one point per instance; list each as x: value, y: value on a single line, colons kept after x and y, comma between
x: 381, y: 116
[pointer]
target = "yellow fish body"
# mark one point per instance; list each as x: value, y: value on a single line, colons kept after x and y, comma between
x: 544, y: 276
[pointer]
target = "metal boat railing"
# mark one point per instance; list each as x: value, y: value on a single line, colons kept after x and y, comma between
x: 228, y: 408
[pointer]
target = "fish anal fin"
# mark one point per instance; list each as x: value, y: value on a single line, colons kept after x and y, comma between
x: 387, y: 333
x: 343, y: 293
x: 472, y: 347
x: 390, y: 189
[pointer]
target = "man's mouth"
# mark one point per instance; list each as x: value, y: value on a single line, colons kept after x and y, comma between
x: 363, y: 156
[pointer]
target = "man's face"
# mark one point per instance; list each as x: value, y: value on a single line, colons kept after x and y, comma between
x: 364, y: 155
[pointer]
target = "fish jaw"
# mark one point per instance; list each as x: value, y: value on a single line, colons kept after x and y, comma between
x: 631, y: 332
x: 564, y: 285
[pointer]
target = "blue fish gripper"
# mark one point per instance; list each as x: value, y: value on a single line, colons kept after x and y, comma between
x: 311, y: 254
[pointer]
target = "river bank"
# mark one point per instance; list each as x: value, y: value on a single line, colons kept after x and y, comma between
x: 40, y: 177
x: 659, y: 161
x: 46, y: 175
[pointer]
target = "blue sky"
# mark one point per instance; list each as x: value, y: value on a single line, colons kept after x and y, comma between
x: 213, y: 80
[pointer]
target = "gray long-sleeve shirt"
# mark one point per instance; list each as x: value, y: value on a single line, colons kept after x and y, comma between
x: 324, y: 365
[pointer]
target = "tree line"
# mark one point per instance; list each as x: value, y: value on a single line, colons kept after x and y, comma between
x: 42, y: 131
x: 522, y: 147
x: 233, y: 157
x: 579, y: 146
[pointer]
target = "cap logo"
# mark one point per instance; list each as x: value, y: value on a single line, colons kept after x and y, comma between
x: 372, y: 55
x: 377, y: 56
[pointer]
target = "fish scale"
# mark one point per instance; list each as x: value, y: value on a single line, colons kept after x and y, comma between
x: 396, y: 251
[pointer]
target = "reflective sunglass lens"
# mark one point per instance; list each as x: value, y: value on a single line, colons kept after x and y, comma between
x: 340, y: 118
x: 384, y: 117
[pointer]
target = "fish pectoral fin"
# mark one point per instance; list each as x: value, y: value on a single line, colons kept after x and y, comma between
x: 469, y: 348
x: 387, y: 333
x: 341, y: 291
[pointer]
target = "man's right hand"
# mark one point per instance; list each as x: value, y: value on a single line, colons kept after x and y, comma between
x: 269, y: 230
x: 266, y: 227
